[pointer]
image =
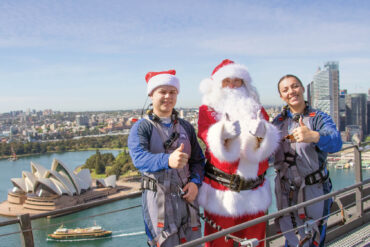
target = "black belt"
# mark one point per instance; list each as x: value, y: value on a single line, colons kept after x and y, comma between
x: 148, y: 183
x: 318, y: 176
x: 232, y: 181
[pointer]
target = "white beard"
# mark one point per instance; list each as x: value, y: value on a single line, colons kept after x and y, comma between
x: 236, y: 103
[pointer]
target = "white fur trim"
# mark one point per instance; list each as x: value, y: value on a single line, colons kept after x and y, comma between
x: 162, y: 80
x: 206, y: 85
x: 233, y: 204
x: 232, y: 71
x: 247, y: 169
x: 267, y: 147
x: 229, y: 152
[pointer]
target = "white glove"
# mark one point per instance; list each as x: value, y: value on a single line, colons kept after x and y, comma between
x: 257, y: 127
x: 231, y: 129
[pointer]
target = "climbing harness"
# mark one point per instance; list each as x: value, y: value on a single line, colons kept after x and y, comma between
x: 232, y: 181
x: 164, y: 184
x: 311, y: 229
x: 290, y: 180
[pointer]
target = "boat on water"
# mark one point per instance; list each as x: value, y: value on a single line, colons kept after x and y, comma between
x: 13, y: 157
x: 63, y: 233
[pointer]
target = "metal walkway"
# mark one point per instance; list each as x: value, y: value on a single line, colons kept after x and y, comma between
x: 359, y: 237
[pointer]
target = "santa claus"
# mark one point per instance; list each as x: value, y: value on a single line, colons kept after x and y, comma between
x: 239, y: 139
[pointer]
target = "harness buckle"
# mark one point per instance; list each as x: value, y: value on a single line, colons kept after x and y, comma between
x: 253, y: 242
x: 235, y: 182
x: 181, y: 191
x: 148, y: 183
x: 318, y: 176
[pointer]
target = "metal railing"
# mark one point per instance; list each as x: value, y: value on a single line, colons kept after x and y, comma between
x: 265, y: 218
x: 358, y: 203
x: 26, y: 227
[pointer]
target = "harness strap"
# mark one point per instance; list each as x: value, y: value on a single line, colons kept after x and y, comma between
x: 300, y: 199
x: 148, y: 183
x: 290, y: 158
x: 318, y: 176
x: 233, y: 181
x: 165, y: 208
x: 311, y: 233
x: 152, y: 184
x: 161, y: 203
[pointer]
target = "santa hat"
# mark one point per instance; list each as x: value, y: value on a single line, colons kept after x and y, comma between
x: 156, y: 79
x: 226, y: 69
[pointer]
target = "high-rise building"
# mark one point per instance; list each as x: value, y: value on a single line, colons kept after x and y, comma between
x: 368, y: 111
x: 356, y: 111
x: 310, y: 88
x: 82, y: 120
x: 342, y: 109
x: 324, y: 90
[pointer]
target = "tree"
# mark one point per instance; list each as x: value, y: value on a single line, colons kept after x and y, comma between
x: 118, y: 164
x: 99, y: 166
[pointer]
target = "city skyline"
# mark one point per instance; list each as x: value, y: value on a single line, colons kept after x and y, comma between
x: 93, y: 56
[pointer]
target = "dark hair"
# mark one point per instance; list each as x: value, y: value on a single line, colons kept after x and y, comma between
x: 289, y: 76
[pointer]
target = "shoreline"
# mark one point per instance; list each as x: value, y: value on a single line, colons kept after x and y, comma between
x: 66, y: 151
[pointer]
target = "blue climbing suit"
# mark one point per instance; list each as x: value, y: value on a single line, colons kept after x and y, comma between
x: 301, y: 174
x: 168, y: 219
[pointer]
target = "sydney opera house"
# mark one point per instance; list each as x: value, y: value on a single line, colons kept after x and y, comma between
x: 43, y: 190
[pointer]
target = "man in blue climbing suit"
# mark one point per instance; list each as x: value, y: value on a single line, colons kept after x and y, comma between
x: 165, y: 149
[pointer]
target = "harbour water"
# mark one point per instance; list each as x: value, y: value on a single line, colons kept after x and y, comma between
x: 127, y: 226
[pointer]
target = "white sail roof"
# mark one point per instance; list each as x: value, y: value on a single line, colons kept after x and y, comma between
x: 107, y: 182
x: 48, y: 183
x: 84, y: 179
x: 61, y: 188
x: 68, y: 186
x: 110, y: 181
x: 64, y: 171
x: 30, y: 179
x: 38, y: 170
x: 20, y: 183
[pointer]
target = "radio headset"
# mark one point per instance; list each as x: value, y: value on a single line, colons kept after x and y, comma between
x: 174, y: 117
x: 155, y: 118
x: 296, y: 116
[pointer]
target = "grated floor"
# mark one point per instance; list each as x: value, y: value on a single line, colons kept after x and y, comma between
x: 359, y: 237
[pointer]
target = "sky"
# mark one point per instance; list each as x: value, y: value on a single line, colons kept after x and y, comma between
x: 92, y: 55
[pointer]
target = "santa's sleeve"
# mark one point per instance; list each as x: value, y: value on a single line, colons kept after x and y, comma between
x: 263, y: 165
x: 205, y: 120
x: 264, y: 114
x: 211, y: 132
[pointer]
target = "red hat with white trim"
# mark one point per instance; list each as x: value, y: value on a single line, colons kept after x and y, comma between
x: 156, y: 79
x: 226, y: 69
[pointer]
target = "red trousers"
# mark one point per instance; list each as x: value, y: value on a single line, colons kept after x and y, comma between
x: 257, y: 231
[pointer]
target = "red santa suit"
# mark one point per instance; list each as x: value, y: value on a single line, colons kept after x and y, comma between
x: 235, y: 150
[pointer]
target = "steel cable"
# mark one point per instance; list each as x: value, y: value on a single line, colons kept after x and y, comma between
x: 72, y: 220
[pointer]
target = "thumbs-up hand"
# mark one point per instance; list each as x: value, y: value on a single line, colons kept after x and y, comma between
x: 231, y: 129
x: 178, y: 159
x: 257, y: 128
x: 301, y: 122
x: 304, y: 134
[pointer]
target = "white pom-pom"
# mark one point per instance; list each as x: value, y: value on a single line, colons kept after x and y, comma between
x: 206, y: 85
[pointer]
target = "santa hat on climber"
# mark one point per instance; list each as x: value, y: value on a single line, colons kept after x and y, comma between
x: 209, y: 87
x: 162, y: 78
